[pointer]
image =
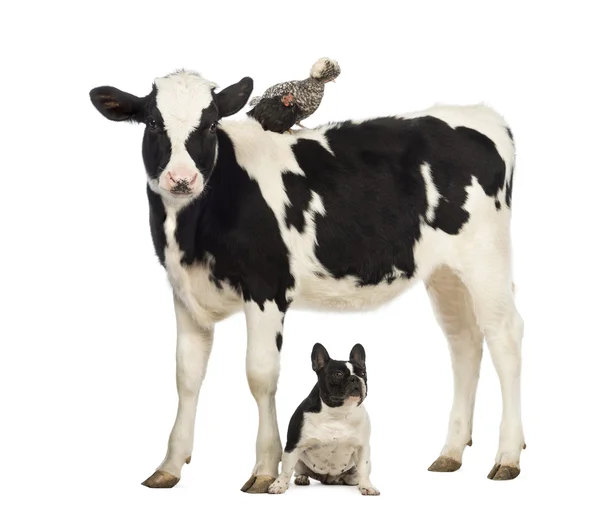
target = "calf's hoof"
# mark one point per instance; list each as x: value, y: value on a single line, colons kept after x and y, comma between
x: 503, y: 472
x: 258, y: 484
x: 161, y: 479
x: 445, y: 464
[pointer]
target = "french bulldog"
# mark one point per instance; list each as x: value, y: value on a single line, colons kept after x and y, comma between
x: 328, y: 435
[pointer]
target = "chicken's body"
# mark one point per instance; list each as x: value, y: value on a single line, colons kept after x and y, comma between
x: 307, y: 93
x: 277, y: 113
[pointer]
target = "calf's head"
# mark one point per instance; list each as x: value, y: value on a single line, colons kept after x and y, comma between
x: 181, y: 115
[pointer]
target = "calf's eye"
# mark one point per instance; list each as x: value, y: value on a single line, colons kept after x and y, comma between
x: 213, y: 127
x: 152, y: 124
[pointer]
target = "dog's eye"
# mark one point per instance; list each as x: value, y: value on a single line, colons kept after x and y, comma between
x: 360, y: 374
x: 338, y: 374
x: 213, y: 127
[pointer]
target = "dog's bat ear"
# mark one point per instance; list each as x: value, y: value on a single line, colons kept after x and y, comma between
x: 319, y: 357
x: 358, y: 355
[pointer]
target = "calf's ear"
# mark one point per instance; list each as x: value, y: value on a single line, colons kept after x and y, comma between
x: 233, y: 98
x: 319, y: 357
x: 116, y: 105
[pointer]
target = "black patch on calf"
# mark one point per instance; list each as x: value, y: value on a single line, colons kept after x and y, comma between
x: 279, y: 341
x: 299, y: 196
x: 373, y: 194
x: 455, y: 157
x: 247, y: 228
x: 450, y: 217
x: 480, y: 157
x: 156, y: 144
x: 157, y: 221
x: 201, y: 143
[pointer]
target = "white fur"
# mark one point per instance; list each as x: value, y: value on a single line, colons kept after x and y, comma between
x: 453, y: 307
x: 265, y: 162
x: 180, y: 97
x: 194, y: 345
x: 329, y: 438
x: 262, y: 369
x: 433, y: 194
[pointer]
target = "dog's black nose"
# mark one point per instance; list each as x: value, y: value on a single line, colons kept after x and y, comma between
x: 354, y: 383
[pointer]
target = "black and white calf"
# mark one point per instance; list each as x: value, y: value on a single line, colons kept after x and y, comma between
x: 347, y: 215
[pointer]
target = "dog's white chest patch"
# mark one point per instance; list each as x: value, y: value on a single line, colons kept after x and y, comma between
x: 331, y: 439
x: 330, y: 458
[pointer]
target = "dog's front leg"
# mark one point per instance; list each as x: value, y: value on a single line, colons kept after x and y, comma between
x: 363, y: 467
x: 288, y: 463
x: 264, y: 323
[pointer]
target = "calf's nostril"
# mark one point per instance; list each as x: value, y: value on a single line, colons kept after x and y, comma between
x: 176, y: 179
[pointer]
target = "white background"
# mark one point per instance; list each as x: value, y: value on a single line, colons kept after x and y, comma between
x: 87, y: 328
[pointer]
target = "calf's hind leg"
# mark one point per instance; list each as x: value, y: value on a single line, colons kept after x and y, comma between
x: 453, y: 308
x: 490, y: 285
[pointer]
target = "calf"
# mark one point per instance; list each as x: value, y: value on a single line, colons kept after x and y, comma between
x: 345, y: 216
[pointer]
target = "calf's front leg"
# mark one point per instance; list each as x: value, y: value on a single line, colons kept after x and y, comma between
x: 264, y: 323
x: 194, y: 344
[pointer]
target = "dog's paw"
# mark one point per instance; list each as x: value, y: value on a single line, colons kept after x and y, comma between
x: 302, y: 480
x: 278, y: 487
x: 368, y: 490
